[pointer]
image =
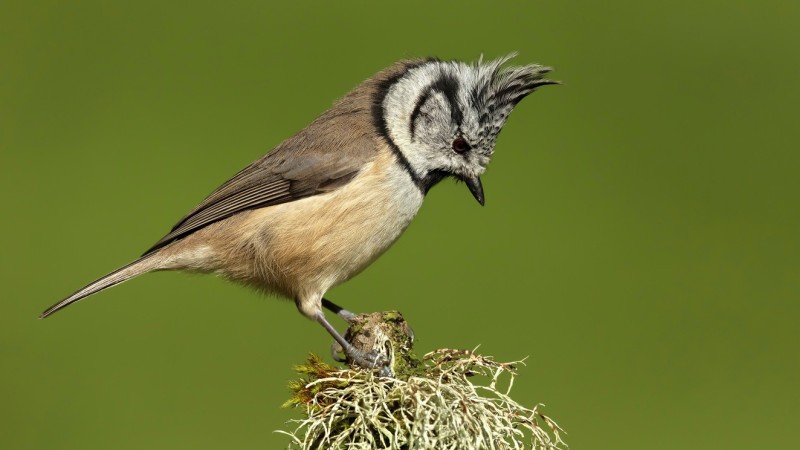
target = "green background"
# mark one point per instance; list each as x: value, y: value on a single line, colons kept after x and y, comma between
x: 639, y: 242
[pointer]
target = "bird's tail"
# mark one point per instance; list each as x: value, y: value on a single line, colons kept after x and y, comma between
x: 142, y: 265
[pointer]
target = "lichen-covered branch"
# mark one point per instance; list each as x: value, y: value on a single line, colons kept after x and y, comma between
x: 449, y: 399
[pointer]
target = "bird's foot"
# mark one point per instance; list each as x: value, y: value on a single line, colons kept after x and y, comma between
x: 371, y: 361
x: 355, y: 357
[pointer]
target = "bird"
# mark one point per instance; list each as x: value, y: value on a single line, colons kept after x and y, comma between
x: 327, y: 202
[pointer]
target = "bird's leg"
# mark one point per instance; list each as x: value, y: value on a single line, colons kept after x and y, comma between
x: 336, y: 349
x: 366, y: 360
x: 338, y: 310
x: 344, y: 314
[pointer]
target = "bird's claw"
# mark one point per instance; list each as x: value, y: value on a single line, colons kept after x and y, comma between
x: 336, y: 349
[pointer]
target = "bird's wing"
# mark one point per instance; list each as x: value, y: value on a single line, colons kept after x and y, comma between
x: 296, y: 169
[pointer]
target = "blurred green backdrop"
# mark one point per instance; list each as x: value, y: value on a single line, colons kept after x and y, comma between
x: 639, y: 242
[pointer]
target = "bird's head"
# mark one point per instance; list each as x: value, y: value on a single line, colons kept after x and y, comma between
x: 443, y: 117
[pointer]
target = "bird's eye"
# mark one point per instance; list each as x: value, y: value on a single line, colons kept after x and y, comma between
x: 460, y: 145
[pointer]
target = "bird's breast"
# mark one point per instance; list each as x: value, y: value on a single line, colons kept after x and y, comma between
x: 315, y: 243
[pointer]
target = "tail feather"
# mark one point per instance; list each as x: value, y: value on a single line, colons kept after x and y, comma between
x: 142, y: 265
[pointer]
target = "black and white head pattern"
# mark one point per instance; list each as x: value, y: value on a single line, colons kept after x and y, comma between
x: 443, y: 117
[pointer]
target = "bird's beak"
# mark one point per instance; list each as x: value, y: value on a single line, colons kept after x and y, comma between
x: 475, y: 186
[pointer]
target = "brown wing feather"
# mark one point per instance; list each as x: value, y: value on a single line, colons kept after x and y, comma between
x: 322, y: 157
x: 273, y: 180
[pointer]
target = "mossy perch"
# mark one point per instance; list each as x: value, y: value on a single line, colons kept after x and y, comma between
x: 389, y: 334
x: 431, y: 403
